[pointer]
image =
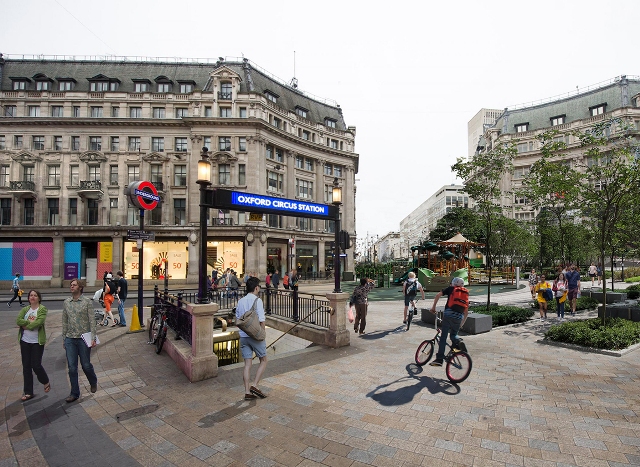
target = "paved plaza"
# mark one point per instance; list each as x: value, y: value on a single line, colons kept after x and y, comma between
x: 525, y: 404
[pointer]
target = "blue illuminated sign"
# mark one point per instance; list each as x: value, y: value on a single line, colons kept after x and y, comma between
x: 294, y: 207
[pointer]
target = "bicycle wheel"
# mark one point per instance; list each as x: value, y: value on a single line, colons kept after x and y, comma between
x: 424, y: 353
x: 162, y: 335
x: 409, y: 317
x: 458, y: 367
x: 153, y: 329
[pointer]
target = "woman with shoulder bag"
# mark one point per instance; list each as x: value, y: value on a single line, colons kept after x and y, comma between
x: 248, y: 345
x: 561, y: 289
x: 543, y: 296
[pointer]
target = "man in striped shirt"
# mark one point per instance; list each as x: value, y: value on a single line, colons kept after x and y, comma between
x: 77, y: 319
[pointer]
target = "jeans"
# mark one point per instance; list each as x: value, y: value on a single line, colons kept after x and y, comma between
x: 77, y: 348
x: 32, y: 363
x: 15, y: 295
x: 450, y: 325
x: 121, y: 312
x: 560, y: 308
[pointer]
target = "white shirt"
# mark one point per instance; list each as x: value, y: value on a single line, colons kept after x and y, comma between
x: 245, y: 305
x: 30, y: 336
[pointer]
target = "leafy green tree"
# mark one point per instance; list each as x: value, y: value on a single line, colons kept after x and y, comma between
x: 463, y: 220
x: 482, y: 177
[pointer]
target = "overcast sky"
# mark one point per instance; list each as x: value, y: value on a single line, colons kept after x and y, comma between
x: 408, y: 75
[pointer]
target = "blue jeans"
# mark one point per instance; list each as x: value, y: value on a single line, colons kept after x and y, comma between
x: 77, y: 348
x: 560, y: 308
x: 121, y: 311
x: 450, y: 325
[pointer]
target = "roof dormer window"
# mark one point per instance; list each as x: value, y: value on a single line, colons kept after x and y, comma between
x: 558, y: 120
x: 141, y: 85
x: 273, y: 97
x: 522, y: 127
x: 301, y: 111
x: 330, y: 122
x: 101, y: 83
x: 598, y: 109
x: 20, y: 84
x: 186, y: 87
x: 164, y: 84
x: 66, y: 84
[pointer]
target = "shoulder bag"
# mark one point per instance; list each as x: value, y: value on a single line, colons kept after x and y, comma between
x: 250, y: 324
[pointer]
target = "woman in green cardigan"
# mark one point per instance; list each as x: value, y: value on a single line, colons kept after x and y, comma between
x: 32, y: 339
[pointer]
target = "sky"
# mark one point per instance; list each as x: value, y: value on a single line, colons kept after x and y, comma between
x: 408, y: 75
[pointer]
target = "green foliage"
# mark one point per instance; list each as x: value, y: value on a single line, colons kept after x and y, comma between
x: 632, y: 279
x: 460, y: 219
x: 503, y: 315
x: 617, y: 334
x: 633, y: 291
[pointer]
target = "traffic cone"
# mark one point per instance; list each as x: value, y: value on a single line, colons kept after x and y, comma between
x: 135, y: 322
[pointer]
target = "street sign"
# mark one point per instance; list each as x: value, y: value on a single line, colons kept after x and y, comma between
x: 143, y: 195
x: 141, y: 235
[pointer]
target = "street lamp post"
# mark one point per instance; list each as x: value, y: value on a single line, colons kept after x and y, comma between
x: 336, y: 200
x: 204, y: 180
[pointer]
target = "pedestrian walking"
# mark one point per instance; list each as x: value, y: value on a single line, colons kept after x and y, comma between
x: 360, y: 301
x: 543, y: 296
x: 533, y: 280
x: 15, y: 288
x: 123, y: 289
x: 275, y: 280
x: 593, y: 273
x: 78, y: 319
x: 32, y: 336
x: 560, y: 286
x: 573, y: 284
x: 599, y: 272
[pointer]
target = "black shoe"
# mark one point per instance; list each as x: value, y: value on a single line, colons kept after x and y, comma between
x: 94, y: 388
x: 71, y: 399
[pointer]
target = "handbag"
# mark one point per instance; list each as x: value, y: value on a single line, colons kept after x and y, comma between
x: 350, y: 314
x: 250, y: 324
x: 20, y: 292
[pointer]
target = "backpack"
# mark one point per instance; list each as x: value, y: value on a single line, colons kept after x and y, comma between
x: 412, y: 288
x: 285, y: 279
x: 110, y: 288
x: 459, y: 299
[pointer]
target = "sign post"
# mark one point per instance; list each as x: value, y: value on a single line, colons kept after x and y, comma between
x: 143, y: 195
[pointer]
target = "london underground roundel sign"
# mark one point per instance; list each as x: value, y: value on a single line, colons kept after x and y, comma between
x: 143, y: 195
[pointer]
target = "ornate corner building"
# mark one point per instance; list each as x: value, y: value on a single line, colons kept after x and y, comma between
x: 74, y: 133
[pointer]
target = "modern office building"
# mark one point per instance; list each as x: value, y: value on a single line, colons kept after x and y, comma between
x: 74, y: 133
x: 579, y: 110
x: 484, y: 119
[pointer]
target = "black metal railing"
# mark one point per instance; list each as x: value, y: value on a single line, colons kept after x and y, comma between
x: 224, y: 96
x: 22, y: 185
x: 178, y: 319
x: 90, y: 185
x: 159, y: 185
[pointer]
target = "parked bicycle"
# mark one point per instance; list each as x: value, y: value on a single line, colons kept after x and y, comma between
x: 158, y: 328
x: 457, y: 362
x: 412, y: 311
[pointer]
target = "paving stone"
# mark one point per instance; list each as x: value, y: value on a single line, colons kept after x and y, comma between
x: 361, y: 456
x: 202, y: 452
x: 260, y: 461
x: 314, y: 454
x: 590, y: 443
x: 258, y: 433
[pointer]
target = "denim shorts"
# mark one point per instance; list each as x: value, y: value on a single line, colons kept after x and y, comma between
x: 248, y: 346
x: 408, y: 298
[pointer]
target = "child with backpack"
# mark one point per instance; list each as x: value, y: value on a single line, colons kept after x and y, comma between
x: 110, y: 294
x: 410, y: 290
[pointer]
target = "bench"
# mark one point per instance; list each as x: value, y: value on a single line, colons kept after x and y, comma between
x: 476, y: 323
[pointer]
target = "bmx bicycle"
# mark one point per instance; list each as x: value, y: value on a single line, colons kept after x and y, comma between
x: 412, y: 311
x: 457, y: 362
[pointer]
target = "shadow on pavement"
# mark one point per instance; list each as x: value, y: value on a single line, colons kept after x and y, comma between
x: 232, y: 411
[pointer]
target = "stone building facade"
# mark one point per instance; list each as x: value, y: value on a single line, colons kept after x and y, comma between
x: 75, y: 133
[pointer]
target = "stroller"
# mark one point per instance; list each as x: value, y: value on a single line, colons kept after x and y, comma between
x: 101, y: 317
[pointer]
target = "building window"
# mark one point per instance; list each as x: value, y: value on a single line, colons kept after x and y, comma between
x: 17, y: 142
x: 304, y: 223
x: 53, y: 211
x: 99, y: 86
x: 276, y: 122
x: 156, y: 173
x: 133, y: 173
x: 559, y: 120
x: 328, y: 194
x: 65, y: 85
x: 157, y: 144
x: 525, y: 147
x: 96, y: 112
x: 225, y: 92
x: 34, y: 111
x: 306, y: 135
x: 225, y: 112
x: 520, y: 172
x: 522, y: 127
x: 92, y: 212
x: 5, y: 211
x: 224, y: 143
x: 57, y: 143
x: 208, y: 112
x: 3, y: 143
x: 224, y: 174
x: 243, y: 112
x: 53, y: 178
x: 74, y: 175
x: 186, y: 88
x: 134, y: 143
x: 333, y: 144
x: 76, y: 111
x: 164, y: 87
x: 43, y: 85
x: 330, y: 122
x: 133, y: 216
x: 302, y: 112
x: 272, y: 97
x: 279, y: 155
x: 330, y: 226
x: 156, y: 216
x: 179, y: 211
x: 73, y: 211
x: 275, y: 182
x: 29, y: 211
x: 274, y: 220
x: 4, y: 175
x: 135, y: 112
x: 94, y: 173
x: 304, y: 188
x: 38, y: 143
x: 181, y: 144
x: 10, y: 111
x: 182, y: 112
x: 75, y: 143
x: 299, y: 162
x: 115, y: 143
x: 115, y: 112
x: 207, y: 142
x: 597, y: 109
x: 95, y: 143
x: 180, y: 175
x: 159, y: 112
x: 308, y: 164
x: 57, y: 111
x: 242, y: 174
x: 19, y: 85
x: 113, y: 175
x: 337, y: 171
x: 113, y: 211
x: 141, y: 87
x: 28, y: 174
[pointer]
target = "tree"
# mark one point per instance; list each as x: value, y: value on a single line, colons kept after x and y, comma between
x: 611, y: 183
x: 463, y: 220
x: 482, y: 177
